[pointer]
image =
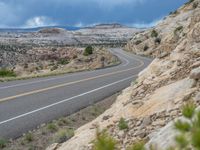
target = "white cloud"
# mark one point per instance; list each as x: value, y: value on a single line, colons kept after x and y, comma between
x: 39, y: 21
x: 80, y: 24
x: 146, y: 25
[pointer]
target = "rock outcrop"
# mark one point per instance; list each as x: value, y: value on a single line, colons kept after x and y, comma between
x: 151, y: 104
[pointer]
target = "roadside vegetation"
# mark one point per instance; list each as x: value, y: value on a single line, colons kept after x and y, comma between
x: 88, y: 50
x: 122, y: 124
x: 58, y: 61
x: 104, y: 142
x: 57, y: 131
x: 7, y: 73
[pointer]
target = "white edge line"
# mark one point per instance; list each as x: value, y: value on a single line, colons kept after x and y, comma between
x: 48, y: 106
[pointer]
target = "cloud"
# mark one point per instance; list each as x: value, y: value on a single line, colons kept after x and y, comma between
x: 39, y: 21
x: 19, y: 13
x: 146, y: 25
x: 80, y: 24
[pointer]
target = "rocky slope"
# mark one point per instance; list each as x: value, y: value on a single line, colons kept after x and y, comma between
x: 150, y: 104
x: 30, y: 61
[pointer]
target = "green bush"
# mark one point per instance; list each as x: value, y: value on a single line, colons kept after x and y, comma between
x: 178, y: 29
x: 64, y: 135
x: 3, y: 143
x: 104, y: 142
x: 122, y: 124
x: 88, y: 51
x: 63, y: 61
x: 7, y: 73
x: 154, y: 33
x: 189, y: 130
x: 63, y: 121
x: 137, y: 146
x: 29, y: 137
x: 52, y: 127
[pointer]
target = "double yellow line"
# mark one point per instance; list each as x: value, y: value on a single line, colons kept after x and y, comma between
x: 70, y: 83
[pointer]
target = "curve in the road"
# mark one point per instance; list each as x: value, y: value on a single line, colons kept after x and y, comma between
x: 28, y: 103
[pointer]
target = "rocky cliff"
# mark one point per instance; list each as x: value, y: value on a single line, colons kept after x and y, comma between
x: 150, y: 104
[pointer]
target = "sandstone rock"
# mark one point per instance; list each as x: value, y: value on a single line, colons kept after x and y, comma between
x: 106, y: 117
x: 53, y: 146
x: 196, y: 64
x: 146, y: 121
x: 121, y: 134
x: 195, y: 74
x: 163, y: 138
x: 197, y: 97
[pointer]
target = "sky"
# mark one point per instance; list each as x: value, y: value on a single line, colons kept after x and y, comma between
x: 79, y: 13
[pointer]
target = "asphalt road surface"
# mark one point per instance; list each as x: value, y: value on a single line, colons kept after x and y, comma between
x: 26, y: 104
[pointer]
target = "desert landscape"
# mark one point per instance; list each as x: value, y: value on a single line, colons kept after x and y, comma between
x: 121, y: 88
x: 55, y: 50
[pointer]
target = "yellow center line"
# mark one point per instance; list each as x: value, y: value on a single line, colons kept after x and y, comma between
x: 69, y: 83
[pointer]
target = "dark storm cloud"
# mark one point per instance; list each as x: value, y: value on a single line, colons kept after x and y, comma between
x: 29, y: 13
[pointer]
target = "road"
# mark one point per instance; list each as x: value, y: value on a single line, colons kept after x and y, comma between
x: 26, y: 104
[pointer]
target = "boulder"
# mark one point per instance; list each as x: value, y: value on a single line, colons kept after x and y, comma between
x: 195, y: 74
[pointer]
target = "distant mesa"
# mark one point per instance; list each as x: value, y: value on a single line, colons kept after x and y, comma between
x: 108, y: 26
x: 52, y: 30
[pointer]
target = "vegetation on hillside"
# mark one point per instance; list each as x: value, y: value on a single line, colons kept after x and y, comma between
x: 88, y: 50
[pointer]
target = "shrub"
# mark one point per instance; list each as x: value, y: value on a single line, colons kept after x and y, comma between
x: 64, y: 135
x: 62, y: 122
x: 122, y: 124
x: 188, y: 110
x: 178, y: 29
x: 54, y: 67
x: 29, y: 137
x: 157, y: 40
x: 195, y: 5
x: 3, y: 143
x: 63, y: 61
x: 154, y: 33
x: 189, y: 136
x: 138, y: 42
x: 104, y: 142
x: 7, y: 73
x: 52, y: 127
x: 137, y: 146
x: 190, y: 1
x: 88, y: 51
x: 146, y: 47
